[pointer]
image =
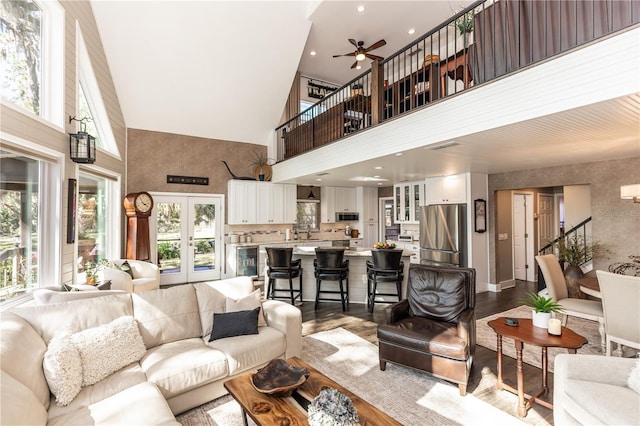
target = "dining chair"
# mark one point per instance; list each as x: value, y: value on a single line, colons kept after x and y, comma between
x: 558, y: 291
x: 620, y: 296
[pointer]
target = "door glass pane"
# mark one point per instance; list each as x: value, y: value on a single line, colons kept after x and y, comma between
x: 204, y: 236
x: 92, y: 218
x: 19, y: 198
x: 169, y: 226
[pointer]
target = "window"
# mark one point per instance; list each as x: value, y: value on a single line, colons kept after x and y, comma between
x: 32, y: 57
x: 307, y: 215
x: 84, y: 111
x: 19, y: 200
x: 96, y: 217
x: 21, y: 54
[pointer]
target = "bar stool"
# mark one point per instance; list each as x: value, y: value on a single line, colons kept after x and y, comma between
x: 385, y: 267
x: 281, y: 267
x: 330, y: 266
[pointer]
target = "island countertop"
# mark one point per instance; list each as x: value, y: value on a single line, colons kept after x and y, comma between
x: 311, y: 251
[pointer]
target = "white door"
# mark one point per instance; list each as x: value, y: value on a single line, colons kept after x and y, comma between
x: 522, y: 237
x: 545, y: 220
x: 187, y: 235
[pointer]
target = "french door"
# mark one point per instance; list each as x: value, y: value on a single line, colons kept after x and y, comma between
x: 187, y: 236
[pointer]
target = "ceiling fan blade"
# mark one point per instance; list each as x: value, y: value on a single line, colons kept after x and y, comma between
x: 375, y: 45
x: 373, y: 57
x: 352, y: 41
x: 346, y: 54
x: 355, y: 64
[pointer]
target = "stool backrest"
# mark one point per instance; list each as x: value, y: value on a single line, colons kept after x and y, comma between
x: 279, y: 256
x: 329, y: 258
x: 386, y: 259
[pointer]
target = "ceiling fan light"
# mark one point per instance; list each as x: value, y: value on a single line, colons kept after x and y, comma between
x: 360, y: 57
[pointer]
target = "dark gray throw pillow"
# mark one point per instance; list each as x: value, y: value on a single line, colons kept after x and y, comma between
x: 126, y: 268
x: 232, y: 324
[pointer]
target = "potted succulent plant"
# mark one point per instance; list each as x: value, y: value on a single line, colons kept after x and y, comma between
x: 543, y: 307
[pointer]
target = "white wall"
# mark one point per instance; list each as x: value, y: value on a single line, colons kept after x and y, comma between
x: 577, y: 204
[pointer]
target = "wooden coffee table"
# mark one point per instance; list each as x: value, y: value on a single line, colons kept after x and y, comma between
x: 525, y: 332
x: 268, y: 410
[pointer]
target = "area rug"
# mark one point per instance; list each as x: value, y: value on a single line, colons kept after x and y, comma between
x: 485, y: 336
x: 410, y: 397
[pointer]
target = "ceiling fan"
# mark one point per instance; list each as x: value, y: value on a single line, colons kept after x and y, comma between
x: 361, y: 52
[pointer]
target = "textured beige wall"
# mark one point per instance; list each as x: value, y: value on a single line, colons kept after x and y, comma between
x: 616, y: 222
x: 151, y: 156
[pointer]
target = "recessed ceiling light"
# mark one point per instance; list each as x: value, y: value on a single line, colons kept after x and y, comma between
x: 361, y: 8
x: 319, y: 180
x: 376, y: 176
x: 379, y: 183
x: 412, y: 31
x: 312, y: 53
x: 378, y: 167
x: 358, y: 67
x: 399, y: 154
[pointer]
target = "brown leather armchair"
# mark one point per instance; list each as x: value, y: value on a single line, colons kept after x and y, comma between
x: 434, y: 329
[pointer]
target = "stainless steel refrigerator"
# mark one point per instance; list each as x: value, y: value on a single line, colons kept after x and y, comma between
x: 443, y: 235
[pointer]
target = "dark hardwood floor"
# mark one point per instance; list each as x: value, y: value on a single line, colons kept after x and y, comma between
x: 482, y: 382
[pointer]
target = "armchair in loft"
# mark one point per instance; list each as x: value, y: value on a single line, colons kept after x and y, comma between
x: 434, y: 329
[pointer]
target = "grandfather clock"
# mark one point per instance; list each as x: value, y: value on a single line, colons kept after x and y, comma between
x: 137, y: 208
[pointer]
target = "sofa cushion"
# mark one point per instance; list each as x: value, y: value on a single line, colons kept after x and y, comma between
x: 141, y: 404
x: 247, y: 303
x: 634, y: 378
x: 20, y: 406
x: 246, y: 352
x: 125, y: 267
x: 180, y: 366
x: 610, y: 404
x: 21, y: 353
x: 167, y: 315
x: 107, y: 348
x: 212, y: 297
x: 231, y: 324
x: 127, y: 377
x: 63, y: 368
x: 75, y: 315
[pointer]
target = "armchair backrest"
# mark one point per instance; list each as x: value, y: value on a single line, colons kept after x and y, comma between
x: 553, y: 276
x: 440, y: 293
x: 329, y: 258
x: 386, y: 259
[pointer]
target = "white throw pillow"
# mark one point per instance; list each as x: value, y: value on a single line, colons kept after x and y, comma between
x: 108, y: 348
x: 63, y: 368
x: 247, y: 303
x: 634, y: 378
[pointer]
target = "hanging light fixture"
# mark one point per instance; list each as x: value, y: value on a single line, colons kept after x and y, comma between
x: 311, y: 194
x: 82, y: 146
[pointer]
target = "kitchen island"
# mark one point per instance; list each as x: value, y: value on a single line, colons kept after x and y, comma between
x: 357, y: 275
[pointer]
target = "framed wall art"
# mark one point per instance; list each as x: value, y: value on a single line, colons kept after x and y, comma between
x: 72, y: 204
x: 480, y: 215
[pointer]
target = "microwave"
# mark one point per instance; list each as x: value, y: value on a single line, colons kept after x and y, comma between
x: 347, y: 216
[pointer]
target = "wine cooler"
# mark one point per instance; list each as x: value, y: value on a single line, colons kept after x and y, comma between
x: 247, y: 261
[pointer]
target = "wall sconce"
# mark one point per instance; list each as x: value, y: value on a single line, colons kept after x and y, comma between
x: 82, y: 146
x: 630, y: 192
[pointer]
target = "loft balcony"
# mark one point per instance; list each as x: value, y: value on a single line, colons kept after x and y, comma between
x: 488, y: 41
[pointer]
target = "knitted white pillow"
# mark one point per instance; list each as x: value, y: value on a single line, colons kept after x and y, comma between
x: 634, y: 378
x: 63, y: 368
x: 108, y: 348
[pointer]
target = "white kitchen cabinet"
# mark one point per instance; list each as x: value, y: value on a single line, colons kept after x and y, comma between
x: 345, y: 199
x: 356, y: 243
x: 407, y: 199
x: 369, y: 204
x: 446, y: 190
x: 369, y: 234
x: 242, y: 202
x: 328, y: 204
x: 254, y: 202
x: 414, y: 248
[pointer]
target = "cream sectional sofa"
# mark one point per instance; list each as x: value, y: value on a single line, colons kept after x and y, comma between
x: 180, y: 368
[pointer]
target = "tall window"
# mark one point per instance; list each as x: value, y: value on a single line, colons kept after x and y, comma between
x: 19, y: 224
x: 84, y: 111
x: 307, y: 215
x: 20, y: 54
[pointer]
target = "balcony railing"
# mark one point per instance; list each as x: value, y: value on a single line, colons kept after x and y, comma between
x: 487, y: 40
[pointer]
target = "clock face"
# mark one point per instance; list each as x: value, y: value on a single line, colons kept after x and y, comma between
x: 144, y: 203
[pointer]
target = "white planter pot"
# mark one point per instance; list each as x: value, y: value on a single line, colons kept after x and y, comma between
x: 540, y: 319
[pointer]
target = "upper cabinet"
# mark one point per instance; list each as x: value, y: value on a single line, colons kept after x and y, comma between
x: 368, y: 204
x: 253, y: 202
x: 446, y: 190
x: 407, y: 199
x: 336, y: 199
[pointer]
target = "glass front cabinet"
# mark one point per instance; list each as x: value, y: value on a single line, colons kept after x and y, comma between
x: 408, y: 197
